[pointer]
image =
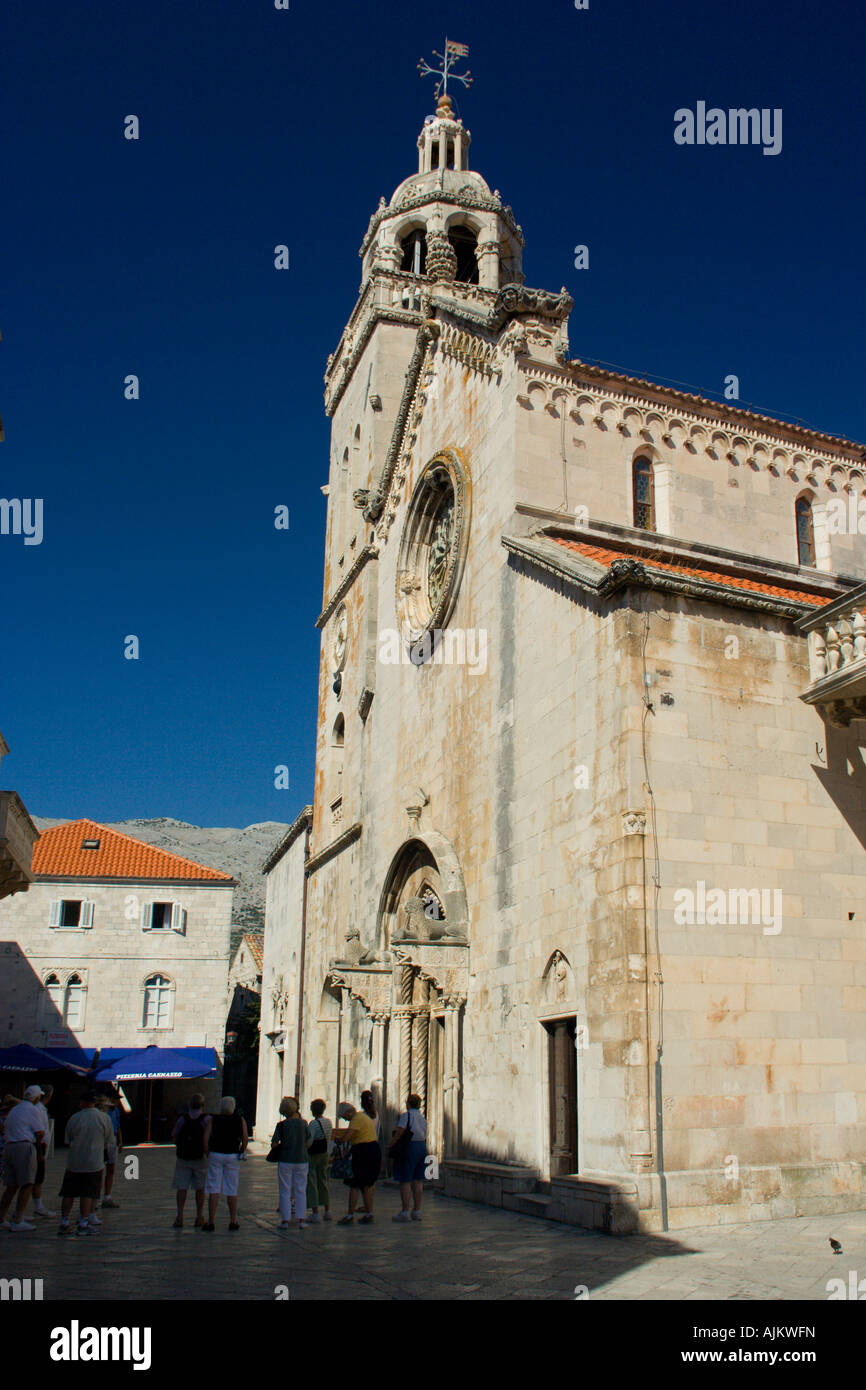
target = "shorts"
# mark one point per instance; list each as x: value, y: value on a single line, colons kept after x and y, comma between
x: 19, y: 1164
x: 189, y: 1172
x: 111, y: 1153
x: 222, y: 1175
x: 366, y: 1162
x: 81, y: 1184
x: 410, y: 1168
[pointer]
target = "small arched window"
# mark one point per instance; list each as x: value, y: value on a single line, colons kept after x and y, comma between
x: 805, y: 532
x: 157, y: 1002
x: 338, y: 740
x: 464, y: 243
x: 52, y: 999
x: 73, y: 1003
x: 414, y: 248
x: 643, y: 495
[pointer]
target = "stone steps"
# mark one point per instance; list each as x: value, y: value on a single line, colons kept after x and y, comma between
x: 527, y: 1203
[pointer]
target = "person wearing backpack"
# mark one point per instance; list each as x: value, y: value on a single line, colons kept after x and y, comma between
x: 317, y: 1182
x: 191, y: 1135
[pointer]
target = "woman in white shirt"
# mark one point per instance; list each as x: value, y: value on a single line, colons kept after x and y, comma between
x: 411, y: 1158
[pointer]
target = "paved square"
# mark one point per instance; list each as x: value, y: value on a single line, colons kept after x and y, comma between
x: 458, y: 1251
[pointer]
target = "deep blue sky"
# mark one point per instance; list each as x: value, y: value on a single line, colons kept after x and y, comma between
x: 261, y: 126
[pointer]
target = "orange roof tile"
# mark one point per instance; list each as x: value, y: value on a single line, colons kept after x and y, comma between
x: 256, y: 946
x: 605, y: 555
x: 58, y: 853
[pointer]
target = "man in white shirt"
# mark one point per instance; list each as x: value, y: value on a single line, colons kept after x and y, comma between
x: 25, y: 1143
x: 39, y: 1206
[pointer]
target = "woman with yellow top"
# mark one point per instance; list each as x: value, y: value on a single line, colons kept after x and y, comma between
x: 366, y: 1156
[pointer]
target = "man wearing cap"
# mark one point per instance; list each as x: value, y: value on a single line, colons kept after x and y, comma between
x: 88, y: 1133
x: 25, y: 1145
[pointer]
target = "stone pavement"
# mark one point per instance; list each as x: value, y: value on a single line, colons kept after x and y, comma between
x: 458, y: 1251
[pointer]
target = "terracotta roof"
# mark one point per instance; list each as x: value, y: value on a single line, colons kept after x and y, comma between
x: 256, y: 947
x: 59, y: 853
x: 606, y: 554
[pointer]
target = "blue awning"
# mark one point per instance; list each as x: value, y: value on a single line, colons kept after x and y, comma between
x: 23, y: 1057
x: 157, y: 1064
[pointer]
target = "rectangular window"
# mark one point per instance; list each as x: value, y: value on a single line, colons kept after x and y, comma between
x: 71, y: 914
x: 160, y: 916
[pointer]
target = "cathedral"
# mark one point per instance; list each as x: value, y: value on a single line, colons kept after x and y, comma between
x: 585, y: 864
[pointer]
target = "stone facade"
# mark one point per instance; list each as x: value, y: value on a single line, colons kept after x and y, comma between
x: 542, y: 726
x: 281, y: 967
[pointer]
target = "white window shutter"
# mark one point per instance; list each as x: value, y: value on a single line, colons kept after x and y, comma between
x: 54, y: 914
x: 86, y: 914
x: 146, y: 916
x: 178, y: 918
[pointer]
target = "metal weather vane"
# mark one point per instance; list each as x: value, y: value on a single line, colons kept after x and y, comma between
x: 453, y: 51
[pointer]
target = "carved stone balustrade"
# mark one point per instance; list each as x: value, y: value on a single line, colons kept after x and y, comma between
x: 837, y: 658
x: 18, y: 835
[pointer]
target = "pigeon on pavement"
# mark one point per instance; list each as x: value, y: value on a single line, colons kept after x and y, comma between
x: 836, y: 1246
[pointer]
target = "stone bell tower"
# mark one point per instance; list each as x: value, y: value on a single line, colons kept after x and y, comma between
x: 444, y: 239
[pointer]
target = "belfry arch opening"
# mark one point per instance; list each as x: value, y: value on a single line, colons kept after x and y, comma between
x: 414, y: 249
x: 464, y: 244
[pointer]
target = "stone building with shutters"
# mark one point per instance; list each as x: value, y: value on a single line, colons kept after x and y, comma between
x: 585, y: 866
x: 116, y: 945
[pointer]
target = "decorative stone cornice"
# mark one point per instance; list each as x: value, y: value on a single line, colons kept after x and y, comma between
x: 461, y: 197
x: 374, y: 503
x: 337, y: 846
x: 284, y: 845
x: 369, y: 552
x: 629, y: 571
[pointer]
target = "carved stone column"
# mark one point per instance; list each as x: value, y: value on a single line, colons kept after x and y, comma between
x: 488, y: 264
x: 441, y: 257
x: 403, y: 1011
x: 420, y: 1037
x: 452, y: 1081
x: 380, y: 1034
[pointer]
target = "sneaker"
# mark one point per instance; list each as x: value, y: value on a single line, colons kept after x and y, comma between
x: 85, y: 1230
x: 43, y: 1211
x: 284, y: 1226
x: 327, y: 1216
x: 21, y: 1226
x: 346, y: 1221
x: 313, y: 1218
x: 416, y: 1216
x: 401, y: 1216
x: 64, y: 1229
x: 109, y: 1202
x: 93, y: 1220
x: 366, y: 1220
x: 302, y: 1225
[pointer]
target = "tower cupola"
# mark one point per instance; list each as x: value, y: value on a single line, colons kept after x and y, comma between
x: 443, y: 224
